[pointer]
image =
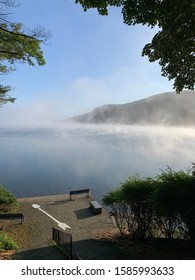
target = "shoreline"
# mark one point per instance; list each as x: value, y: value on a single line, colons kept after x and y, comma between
x: 47, y: 197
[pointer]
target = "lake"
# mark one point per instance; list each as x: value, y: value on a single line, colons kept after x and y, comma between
x: 54, y: 160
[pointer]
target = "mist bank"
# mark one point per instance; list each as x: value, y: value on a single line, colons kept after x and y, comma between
x: 163, y: 109
x: 55, y: 160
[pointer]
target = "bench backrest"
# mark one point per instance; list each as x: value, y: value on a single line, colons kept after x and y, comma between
x: 79, y: 192
x: 12, y: 216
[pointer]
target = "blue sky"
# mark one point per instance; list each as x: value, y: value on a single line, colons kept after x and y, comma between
x: 91, y: 61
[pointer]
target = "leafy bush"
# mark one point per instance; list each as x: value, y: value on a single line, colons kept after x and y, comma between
x: 6, y: 243
x: 7, y: 200
x: 120, y: 209
x: 131, y: 206
x: 174, y: 203
x: 137, y: 192
x: 187, y: 207
x: 143, y: 206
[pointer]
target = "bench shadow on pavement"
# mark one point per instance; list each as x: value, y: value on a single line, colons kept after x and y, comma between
x: 83, y: 213
x: 58, y: 202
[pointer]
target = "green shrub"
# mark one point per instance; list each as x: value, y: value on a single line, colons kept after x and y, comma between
x: 166, y: 204
x: 130, y: 204
x: 174, y: 203
x: 137, y: 192
x: 119, y: 208
x: 7, y: 200
x: 6, y: 243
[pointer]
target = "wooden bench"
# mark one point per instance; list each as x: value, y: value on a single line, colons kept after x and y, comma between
x: 96, y: 207
x: 79, y: 192
x: 13, y: 216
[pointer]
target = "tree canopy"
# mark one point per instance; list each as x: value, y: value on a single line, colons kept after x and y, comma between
x: 17, y: 45
x: 173, y: 46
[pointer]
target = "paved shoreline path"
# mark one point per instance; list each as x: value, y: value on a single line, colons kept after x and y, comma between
x: 80, y: 221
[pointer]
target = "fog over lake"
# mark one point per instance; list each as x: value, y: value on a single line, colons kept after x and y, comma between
x: 44, y: 161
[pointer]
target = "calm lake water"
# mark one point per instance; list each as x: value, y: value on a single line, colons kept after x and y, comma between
x: 44, y: 161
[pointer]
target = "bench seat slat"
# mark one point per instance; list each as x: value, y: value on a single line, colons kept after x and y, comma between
x: 96, y: 207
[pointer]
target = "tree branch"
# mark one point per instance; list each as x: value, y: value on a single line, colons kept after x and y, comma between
x: 20, y: 34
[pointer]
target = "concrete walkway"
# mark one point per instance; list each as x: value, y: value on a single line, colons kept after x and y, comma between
x: 85, y: 226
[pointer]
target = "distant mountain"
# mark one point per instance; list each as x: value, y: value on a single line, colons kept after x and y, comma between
x: 167, y: 109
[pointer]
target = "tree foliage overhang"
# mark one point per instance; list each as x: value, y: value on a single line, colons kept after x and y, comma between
x: 17, y: 45
x: 173, y: 46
